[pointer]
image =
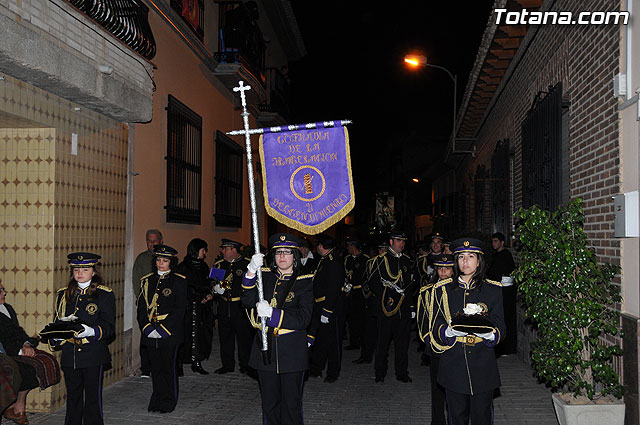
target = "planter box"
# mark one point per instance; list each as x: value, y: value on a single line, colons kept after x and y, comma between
x: 588, y: 414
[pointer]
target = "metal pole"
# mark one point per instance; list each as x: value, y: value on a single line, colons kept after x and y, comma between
x: 254, y: 216
x: 291, y: 127
x: 455, y: 99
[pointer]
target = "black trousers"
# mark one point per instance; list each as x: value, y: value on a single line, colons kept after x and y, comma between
x: 164, y: 377
x: 145, y: 364
x: 84, y: 395
x: 356, y: 317
x: 328, y: 347
x: 234, y: 328
x: 438, y: 397
x: 281, y: 397
x: 370, y: 336
x: 478, y: 407
x: 396, y: 329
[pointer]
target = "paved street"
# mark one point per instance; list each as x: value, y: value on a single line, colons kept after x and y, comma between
x: 355, y: 399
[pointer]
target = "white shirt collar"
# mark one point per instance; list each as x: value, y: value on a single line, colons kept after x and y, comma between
x: 3, y: 310
x: 163, y: 273
x: 84, y: 285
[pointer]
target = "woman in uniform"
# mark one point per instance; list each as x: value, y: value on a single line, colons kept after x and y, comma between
x: 85, y: 357
x: 287, y: 306
x: 468, y: 368
x: 428, y: 310
x: 161, y: 310
x: 199, y: 318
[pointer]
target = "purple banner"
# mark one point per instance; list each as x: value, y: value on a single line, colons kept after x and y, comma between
x: 307, y: 180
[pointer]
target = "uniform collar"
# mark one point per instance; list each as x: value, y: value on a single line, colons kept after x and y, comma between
x: 82, y: 287
x: 283, y: 276
x: 328, y: 253
x: 395, y: 254
x: 463, y: 284
x: 163, y: 274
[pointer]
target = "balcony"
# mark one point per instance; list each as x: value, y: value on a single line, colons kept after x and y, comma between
x: 124, y: 19
x: 274, y: 111
x: 241, y: 48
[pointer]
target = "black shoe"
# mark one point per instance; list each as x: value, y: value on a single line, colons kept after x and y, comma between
x: 380, y: 379
x: 315, y: 374
x: 352, y: 347
x: 330, y: 379
x: 223, y: 370
x: 405, y: 379
x: 197, y: 368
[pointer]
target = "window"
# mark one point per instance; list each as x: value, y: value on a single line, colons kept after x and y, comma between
x: 184, y: 164
x: 192, y: 12
x: 229, y: 160
x: 543, y: 151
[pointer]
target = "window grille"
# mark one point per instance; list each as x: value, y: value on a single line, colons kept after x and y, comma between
x: 184, y: 164
x: 229, y: 182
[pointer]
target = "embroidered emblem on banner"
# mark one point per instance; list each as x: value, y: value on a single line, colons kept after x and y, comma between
x: 91, y: 308
x: 307, y: 179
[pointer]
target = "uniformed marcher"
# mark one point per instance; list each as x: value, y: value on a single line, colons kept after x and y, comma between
x: 287, y: 305
x: 85, y: 357
x: 161, y: 312
x: 325, y: 331
x: 427, y: 309
x: 372, y: 311
x: 468, y: 368
x: 234, y: 326
x: 307, y: 259
x: 354, y: 266
x: 391, y: 280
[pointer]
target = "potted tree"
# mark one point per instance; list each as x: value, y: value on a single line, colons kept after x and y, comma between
x: 571, y: 299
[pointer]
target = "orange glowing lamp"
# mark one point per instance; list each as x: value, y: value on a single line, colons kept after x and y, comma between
x: 415, y: 60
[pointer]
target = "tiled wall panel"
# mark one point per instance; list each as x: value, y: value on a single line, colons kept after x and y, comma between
x: 53, y: 202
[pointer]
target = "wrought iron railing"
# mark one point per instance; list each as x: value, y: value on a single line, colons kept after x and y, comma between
x: 124, y: 19
x: 278, y: 93
x: 239, y: 37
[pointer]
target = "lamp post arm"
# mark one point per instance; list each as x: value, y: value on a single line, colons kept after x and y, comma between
x: 454, y: 78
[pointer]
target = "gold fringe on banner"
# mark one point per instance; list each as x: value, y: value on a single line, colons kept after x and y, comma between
x: 322, y: 226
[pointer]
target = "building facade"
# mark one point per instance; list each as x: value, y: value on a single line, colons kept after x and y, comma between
x: 113, y: 126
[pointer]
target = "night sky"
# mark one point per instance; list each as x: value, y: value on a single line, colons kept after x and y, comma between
x: 354, y: 70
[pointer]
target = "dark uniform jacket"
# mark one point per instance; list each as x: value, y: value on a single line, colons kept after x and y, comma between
x: 327, y: 289
x: 355, y: 268
x: 389, y: 268
x: 310, y: 266
x: 12, y: 335
x: 161, y: 307
x: 97, y: 311
x: 292, y: 301
x: 232, y: 282
x: 469, y: 367
x: 422, y: 273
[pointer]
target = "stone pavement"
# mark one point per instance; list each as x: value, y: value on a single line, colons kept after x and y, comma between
x: 234, y: 398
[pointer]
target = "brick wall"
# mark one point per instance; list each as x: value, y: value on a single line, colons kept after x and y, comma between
x: 585, y: 59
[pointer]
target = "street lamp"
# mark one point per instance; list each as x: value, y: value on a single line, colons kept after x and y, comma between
x: 416, y: 61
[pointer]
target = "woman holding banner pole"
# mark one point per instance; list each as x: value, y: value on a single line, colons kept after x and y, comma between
x: 287, y: 306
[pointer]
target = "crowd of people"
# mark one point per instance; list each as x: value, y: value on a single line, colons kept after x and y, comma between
x: 461, y: 307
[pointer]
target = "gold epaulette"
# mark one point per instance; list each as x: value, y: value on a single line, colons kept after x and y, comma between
x: 493, y: 282
x: 306, y: 276
x: 383, y: 254
x: 218, y: 262
x: 405, y: 255
x: 442, y: 282
x: 180, y: 275
x: 247, y: 258
x: 366, y: 256
x: 105, y: 288
x: 331, y: 257
x: 146, y: 275
x: 420, y: 257
x: 61, y: 289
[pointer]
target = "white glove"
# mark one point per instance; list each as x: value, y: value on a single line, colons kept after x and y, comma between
x: 450, y: 332
x: 347, y: 288
x: 489, y: 336
x: 264, y: 309
x: 413, y: 314
x: 324, y: 319
x: 155, y: 335
x: 70, y: 318
x: 87, y: 332
x: 218, y: 289
x: 257, y: 260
